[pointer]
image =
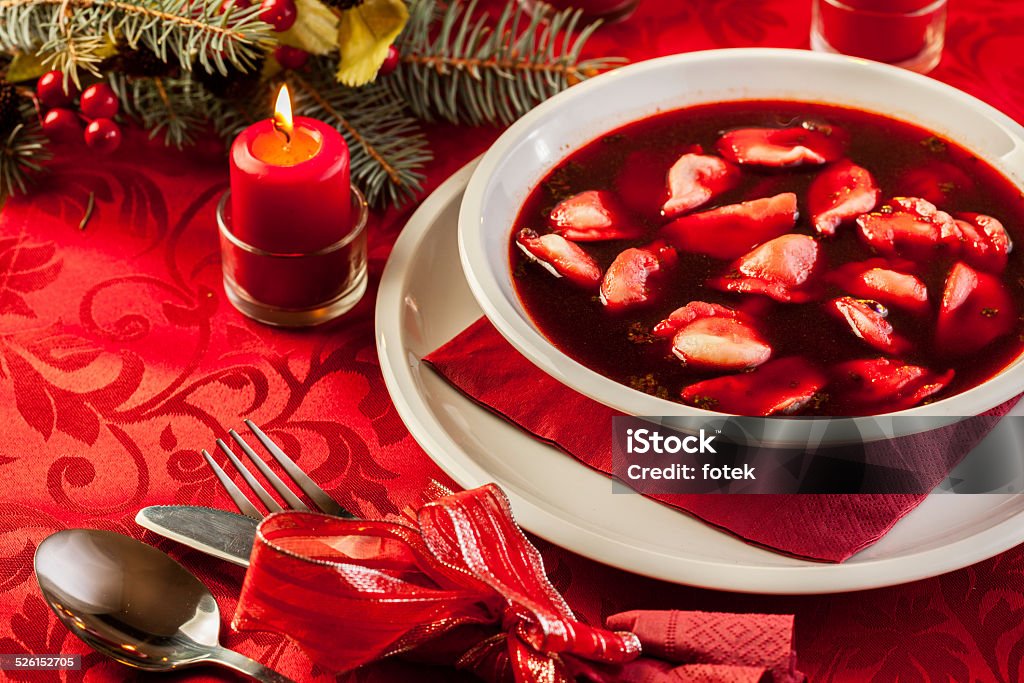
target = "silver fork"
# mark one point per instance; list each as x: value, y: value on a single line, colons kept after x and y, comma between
x: 320, y: 499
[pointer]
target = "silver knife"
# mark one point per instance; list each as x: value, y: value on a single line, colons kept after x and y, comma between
x: 222, y: 534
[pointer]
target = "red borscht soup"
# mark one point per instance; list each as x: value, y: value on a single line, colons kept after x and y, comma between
x: 777, y: 258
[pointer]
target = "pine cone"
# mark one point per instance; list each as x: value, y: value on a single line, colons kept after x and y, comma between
x: 139, y: 62
x: 236, y: 85
x: 10, y: 107
x: 343, y: 4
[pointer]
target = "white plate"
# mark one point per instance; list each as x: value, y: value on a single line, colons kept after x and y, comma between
x: 424, y: 301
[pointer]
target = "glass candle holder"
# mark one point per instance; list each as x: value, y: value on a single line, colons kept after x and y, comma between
x: 607, y: 10
x: 295, y: 289
x: 905, y: 33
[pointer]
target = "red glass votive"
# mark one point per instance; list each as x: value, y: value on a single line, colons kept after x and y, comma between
x: 294, y: 289
x: 906, y: 33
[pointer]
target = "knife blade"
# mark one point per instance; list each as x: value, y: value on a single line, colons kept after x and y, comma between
x: 219, y: 533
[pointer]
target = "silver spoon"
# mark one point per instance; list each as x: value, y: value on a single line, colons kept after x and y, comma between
x: 133, y: 603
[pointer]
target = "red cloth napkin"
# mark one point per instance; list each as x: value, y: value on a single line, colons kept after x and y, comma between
x: 480, y: 363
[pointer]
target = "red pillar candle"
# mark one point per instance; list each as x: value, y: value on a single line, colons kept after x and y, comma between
x: 290, y: 183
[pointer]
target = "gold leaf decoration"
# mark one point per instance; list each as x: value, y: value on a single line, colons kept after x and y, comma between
x: 315, y: 29
x: 26, y: 67
x: 364, y: 36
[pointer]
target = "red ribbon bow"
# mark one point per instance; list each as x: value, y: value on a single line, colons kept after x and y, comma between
x: 466, y: 581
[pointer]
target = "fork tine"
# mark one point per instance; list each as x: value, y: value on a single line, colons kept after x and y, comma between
x: 237, y: 497
x: 293, y: 501
x: 301, y: 479
x: 257, y: 488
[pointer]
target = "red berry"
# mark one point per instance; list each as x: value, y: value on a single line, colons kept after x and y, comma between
x: 280, y: 14
x: 390, y: 62
x: 238, y: 4
x: 99, y: 102
x: 62, y: 125
x: 103, y: 135
x: 291, y: 57
x: 51, y: 91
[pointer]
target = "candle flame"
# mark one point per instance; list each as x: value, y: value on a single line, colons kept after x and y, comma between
x: 283, y: 112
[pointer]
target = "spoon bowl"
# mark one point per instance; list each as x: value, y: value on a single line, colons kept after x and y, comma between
x: 133, y: 603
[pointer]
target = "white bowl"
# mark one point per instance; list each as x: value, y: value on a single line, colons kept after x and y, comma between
x: 531, y: 147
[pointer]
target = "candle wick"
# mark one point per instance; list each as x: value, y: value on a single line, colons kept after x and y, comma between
x: 281, y: 129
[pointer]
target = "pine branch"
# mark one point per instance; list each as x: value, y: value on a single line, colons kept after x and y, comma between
x: 387, y: 147
x: 67, y: 52
x: 73, y: 33
x: 22, y: 153
x: 173, y: 107
x: 229, y: 117
x: 456, y: 66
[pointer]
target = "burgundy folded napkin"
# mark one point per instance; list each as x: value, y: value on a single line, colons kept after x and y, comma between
x: 709, y: 647
x: 485, y: 367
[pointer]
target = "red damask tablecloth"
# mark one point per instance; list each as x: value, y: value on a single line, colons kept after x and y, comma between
x: 120, y: 357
